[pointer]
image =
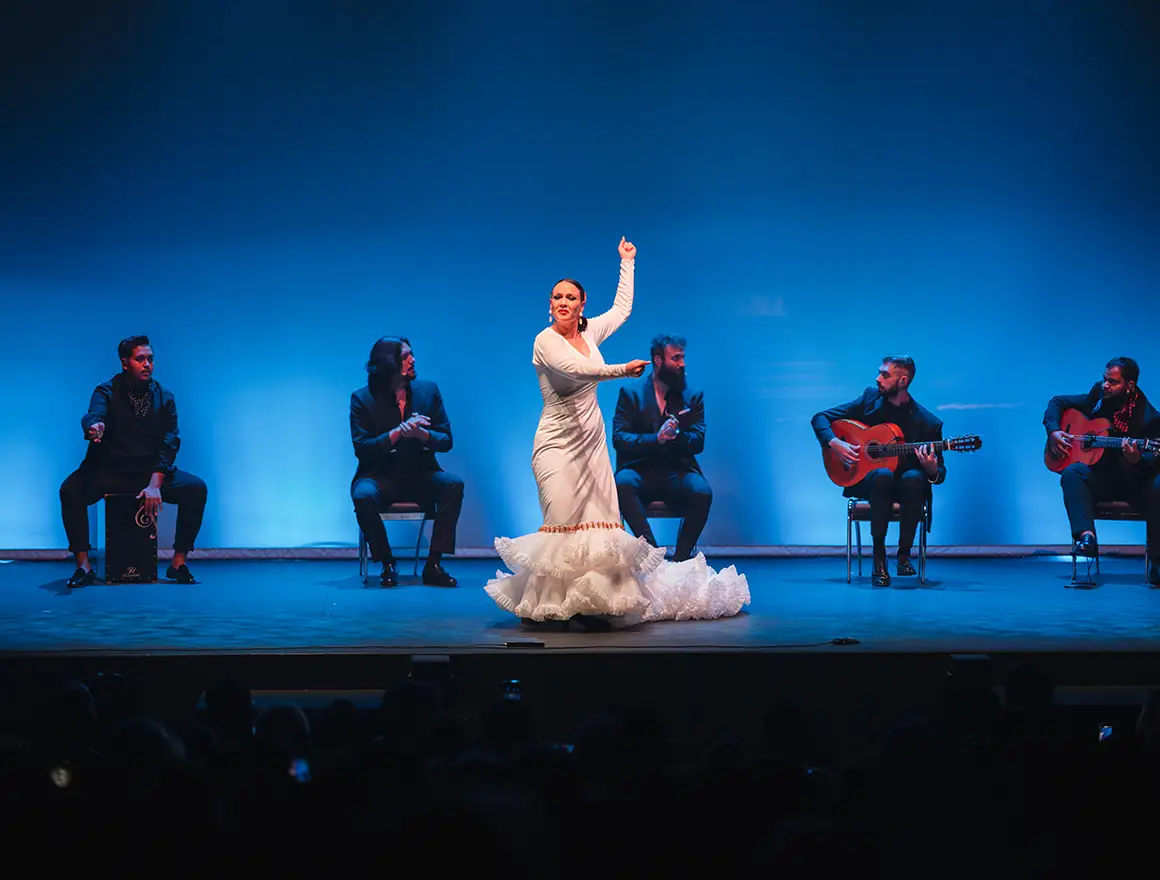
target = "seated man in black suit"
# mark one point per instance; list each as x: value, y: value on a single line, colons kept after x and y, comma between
x: 658, y: 430
x: 131, y: 426
x: 397, y: 424
x: 910, y: 485
x: 1125, y: 474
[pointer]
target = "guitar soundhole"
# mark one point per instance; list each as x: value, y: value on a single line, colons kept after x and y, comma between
x: 873, y: 450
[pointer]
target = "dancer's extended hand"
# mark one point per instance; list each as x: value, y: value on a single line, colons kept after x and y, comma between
x: 627, y: 249
x: 635, y: 368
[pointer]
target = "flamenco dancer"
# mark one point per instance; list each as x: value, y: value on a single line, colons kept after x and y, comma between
x: 582, y: 565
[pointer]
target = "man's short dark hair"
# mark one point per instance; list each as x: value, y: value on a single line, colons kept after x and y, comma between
x: 657, y: 349
x: 386, y: 357
x: 902, y: 361
x: 125, y: 346
x: 1129, y: 369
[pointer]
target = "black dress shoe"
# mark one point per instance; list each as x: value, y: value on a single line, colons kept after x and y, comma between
x: 1085, y: 546
x: 82, y: 578
x: 390, y: 574
x: 906, y: 567
x: 434, y: 575
x: 529, y: 623
x: 590, y: 623
x: 881, y: 576
x: 181, y: 574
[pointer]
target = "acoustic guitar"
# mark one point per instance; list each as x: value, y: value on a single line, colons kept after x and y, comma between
x: 1088, y: 441
x: 882, y: 447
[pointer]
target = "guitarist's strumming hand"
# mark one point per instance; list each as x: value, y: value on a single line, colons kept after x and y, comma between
x: 1060, y: 443
x: 928, y: 460
x: 849, y: 453
x: 1131, y: 450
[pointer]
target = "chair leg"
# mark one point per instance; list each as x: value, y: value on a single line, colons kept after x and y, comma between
x: 418, y: 544
x: 363, y: 565
x: 922, y: 543
x: 1088, y: 581
x: 849, y: 542
x: 858, y: 533
x: 922, y: 557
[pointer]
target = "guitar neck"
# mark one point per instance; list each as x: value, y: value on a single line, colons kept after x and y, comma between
x: 1098, y: 441
x: 889, y: 450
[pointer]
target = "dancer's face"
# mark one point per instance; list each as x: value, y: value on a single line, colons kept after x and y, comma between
x: 566, y: 303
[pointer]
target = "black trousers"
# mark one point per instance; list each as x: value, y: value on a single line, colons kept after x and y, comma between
x: 883, y: 487
x: 86, y: 486
x: 686, y: 492
x: 1083, y: 486
x: 438, y: 489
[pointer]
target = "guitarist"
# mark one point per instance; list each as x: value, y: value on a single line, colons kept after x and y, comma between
x: 1129, y: 476
x: 910, y: 485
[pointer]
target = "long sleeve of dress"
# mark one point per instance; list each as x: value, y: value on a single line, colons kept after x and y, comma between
x: 604, y: 325
x: 557, y: 356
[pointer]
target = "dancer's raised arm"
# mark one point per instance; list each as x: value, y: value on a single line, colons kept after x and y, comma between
x: 604, y: 325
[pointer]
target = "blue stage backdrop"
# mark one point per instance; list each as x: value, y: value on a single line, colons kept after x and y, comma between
x: 267, y: 188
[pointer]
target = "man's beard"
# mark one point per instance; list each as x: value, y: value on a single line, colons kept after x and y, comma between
x: 674, y: 379
x: 1115, y: 400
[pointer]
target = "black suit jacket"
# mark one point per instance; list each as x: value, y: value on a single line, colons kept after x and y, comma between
x: 1145, y: 421
x: 162, y: 425
x: 637, y: 420
x: 373, y: 416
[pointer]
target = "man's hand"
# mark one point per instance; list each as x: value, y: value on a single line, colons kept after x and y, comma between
x: 669, y: 430
x: 847, y: 452
x: 152, y: 497
x: 627, y: 249
x: 635, y: 368
x: 415, y: 427
x: 95, y: 432
x: 1132, y: 452
x: 1060, y: 443
x: 928, y: 459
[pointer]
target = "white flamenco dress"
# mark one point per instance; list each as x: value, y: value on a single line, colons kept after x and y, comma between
x: 582, y: 561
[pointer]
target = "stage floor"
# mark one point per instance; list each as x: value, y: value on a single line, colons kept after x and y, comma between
x: 967, y: 605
